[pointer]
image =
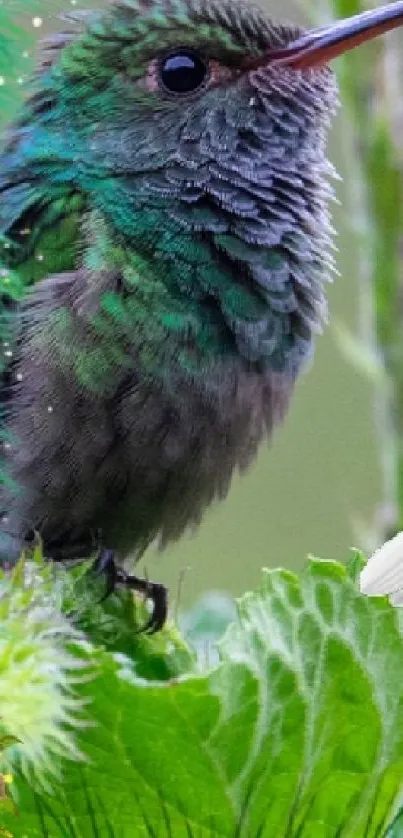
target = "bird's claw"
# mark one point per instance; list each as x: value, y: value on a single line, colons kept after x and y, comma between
x: 157, y: 593
x: 159, y: 597
x: 154, y: 591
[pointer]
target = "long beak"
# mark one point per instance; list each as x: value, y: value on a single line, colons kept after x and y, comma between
x: 321, y: 45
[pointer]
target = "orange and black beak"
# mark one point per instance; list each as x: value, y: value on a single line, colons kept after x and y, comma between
x: 319, y: 46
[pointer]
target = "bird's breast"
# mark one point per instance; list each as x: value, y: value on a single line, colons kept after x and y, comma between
x: 181, y: 444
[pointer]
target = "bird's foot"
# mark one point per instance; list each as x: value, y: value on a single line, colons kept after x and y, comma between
x: 154, y: 591
x: 104, y: 565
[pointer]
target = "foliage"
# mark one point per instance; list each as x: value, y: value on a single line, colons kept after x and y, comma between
x: 297, y: 730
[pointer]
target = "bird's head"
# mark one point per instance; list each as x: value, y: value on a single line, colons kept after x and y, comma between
x: 197, y: 130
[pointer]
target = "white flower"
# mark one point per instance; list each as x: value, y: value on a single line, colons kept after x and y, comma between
x: 383, y: 575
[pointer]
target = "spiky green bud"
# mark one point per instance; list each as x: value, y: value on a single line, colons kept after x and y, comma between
x: 42, y: 657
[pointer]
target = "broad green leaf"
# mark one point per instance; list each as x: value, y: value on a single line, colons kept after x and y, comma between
x: 296, y: 733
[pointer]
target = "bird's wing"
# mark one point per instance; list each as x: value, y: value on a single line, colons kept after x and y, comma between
x: 39, y: 236
x: 39, y: 227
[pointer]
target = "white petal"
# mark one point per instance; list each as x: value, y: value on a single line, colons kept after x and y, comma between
x: 384, y: 572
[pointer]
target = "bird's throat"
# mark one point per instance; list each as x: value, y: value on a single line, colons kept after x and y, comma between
x: 189, y: 300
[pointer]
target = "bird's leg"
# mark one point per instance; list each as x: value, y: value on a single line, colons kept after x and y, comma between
x: 154, y: 591
x: 105, y: 564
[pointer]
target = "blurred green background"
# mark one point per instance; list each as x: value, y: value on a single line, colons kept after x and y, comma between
x: 315, y: 487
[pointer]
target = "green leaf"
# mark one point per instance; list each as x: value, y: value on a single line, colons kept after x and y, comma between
x: 296, y: 733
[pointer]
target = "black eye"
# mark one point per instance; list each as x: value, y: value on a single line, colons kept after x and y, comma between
x: 183, y: 71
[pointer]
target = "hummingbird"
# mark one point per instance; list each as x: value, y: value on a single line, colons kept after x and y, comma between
x: 165, y: 242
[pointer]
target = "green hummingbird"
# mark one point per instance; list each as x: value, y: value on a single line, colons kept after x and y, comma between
x: 165, y: 242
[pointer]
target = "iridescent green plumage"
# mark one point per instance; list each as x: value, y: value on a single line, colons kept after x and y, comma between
x: 176, y: 250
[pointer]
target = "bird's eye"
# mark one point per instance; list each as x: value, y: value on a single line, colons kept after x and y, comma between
x: 183, y: 71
